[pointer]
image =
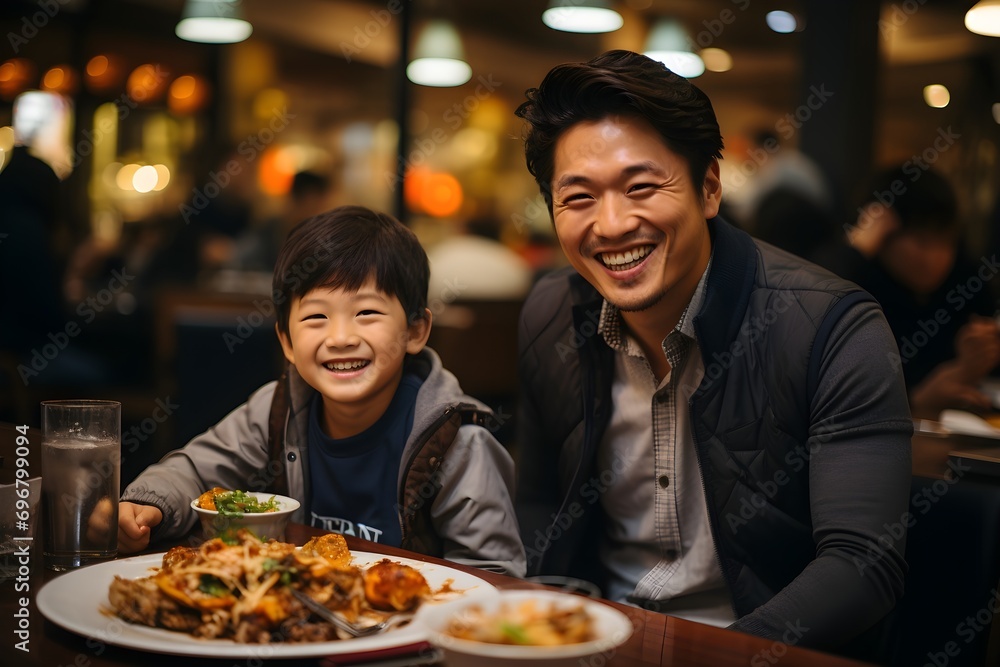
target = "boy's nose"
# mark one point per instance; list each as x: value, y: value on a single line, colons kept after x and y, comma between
x: 340, y: 335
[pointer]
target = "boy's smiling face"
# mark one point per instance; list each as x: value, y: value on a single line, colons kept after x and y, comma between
x: 350, y: 347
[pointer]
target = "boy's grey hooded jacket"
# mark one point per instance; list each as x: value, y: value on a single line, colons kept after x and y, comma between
x: 456, y: 482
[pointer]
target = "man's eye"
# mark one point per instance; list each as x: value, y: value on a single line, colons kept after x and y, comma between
x: 641, y: 186
x: 575, y: 198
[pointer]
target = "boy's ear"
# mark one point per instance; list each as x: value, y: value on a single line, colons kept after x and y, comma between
x: 418, y: 333
x: 286, y: 344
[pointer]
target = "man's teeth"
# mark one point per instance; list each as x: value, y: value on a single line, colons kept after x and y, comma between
x: 346, y: 365
x: 627, y: 259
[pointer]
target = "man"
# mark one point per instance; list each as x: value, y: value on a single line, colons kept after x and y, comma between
x: 906, y: 251
x: 711, y: 427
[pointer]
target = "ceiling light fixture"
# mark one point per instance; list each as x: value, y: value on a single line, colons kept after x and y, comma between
x: 587, y: 16
x: 984, y: 18
x: 669, y: 43
x: 439, y: 59
x: 213, y: 22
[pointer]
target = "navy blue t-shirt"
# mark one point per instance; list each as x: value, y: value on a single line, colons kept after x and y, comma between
x: 354, y: 480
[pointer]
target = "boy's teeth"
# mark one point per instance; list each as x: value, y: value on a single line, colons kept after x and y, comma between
x: 620, y: 259
x: 346, y: 365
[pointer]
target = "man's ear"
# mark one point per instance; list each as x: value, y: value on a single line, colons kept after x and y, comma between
x: 286, y: 344
x: 418, y: 333
x: 711, y: 190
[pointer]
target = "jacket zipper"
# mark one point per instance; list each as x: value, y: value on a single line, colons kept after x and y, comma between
x: 424, y: 437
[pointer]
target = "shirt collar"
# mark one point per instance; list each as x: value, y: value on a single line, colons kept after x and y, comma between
x: 611, y: 326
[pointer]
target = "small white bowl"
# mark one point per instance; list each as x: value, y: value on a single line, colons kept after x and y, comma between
x: 265, y: 525
x: 611, y: 626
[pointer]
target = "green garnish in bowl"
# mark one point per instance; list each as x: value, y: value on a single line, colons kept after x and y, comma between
x: 238, y: 503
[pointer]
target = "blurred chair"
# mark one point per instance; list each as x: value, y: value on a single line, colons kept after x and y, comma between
x: 214, y: 350
x: 477, y: 341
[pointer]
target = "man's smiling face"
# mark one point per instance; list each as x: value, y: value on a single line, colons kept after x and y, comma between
x: 627, y: 214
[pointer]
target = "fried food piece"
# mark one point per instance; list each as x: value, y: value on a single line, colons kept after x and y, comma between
x: 179, y: 556
x: 206, y: 501
x: 142, y: 601
x: 394, y: 586
x: 332, y: 547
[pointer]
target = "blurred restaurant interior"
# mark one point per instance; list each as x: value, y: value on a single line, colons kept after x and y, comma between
x: 176, y: 160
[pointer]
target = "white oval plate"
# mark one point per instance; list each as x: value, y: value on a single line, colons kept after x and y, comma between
x: 78, y: 601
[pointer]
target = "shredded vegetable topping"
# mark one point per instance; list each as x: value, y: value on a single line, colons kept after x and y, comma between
x: 242, y: 591
x: 235, y: 503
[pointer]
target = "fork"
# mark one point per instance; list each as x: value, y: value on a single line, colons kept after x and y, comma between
x: 346, y: 626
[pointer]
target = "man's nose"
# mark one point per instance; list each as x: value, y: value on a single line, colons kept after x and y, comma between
x: 614, y: 218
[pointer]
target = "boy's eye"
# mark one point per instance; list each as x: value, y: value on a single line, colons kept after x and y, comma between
x: 368, y: 312
x: 314, y: 316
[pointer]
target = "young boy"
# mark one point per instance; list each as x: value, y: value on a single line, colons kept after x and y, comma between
x: 365, y: 428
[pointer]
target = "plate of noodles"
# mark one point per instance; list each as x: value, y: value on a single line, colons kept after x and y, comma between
x: 542, y: 627
x: 232, y: 600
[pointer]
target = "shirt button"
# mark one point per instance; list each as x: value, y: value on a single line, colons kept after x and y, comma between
x: 664, y: 481
x: 671, y: 554
x: 292, y: 456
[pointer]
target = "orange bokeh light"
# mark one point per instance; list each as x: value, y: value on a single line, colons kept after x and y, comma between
x: 414, y: 182
x: 276, y: 171
x: 441, y: 195
x: 103, y: 73
x: 60, y: 79
x: 15, y: 75
x: 187, y: 94
x: 146, y: 83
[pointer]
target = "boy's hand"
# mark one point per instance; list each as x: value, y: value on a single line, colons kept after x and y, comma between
x: 134, y: 525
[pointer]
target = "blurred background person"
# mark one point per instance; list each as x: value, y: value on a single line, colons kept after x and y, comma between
x: 906, y: 249
x: 474, y: 264
x: 784, y: 199
x: 256, y: 249
x: 41, y: 344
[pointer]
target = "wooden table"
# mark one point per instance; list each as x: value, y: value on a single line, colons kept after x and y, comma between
x: 657, y: 639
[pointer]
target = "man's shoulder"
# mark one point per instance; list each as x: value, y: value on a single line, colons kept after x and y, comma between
x: 547, y: 314
x: 781, y: 270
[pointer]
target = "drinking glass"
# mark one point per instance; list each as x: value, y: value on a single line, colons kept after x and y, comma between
x: 81, y: 475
